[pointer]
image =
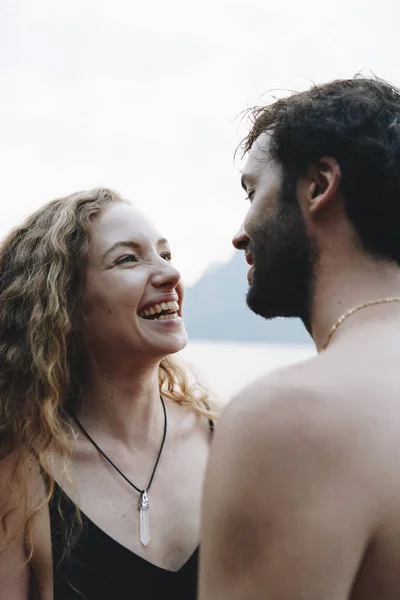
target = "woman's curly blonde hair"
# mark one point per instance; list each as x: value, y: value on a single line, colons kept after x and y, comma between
x: 42, y: 361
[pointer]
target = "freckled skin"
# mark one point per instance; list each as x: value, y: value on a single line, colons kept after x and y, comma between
x: 129, y: 265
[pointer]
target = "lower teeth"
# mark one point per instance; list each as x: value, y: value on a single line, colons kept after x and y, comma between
x: 166, y: 317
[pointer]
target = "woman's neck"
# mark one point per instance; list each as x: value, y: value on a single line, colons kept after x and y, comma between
x: 125, y: 406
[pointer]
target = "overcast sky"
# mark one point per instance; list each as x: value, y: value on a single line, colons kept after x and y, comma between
x: 144, y: 97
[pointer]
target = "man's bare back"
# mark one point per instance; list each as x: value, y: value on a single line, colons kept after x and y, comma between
x: 315, y: 477
x: 302, y: 497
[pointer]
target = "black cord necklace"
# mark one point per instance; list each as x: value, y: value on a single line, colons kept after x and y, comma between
x: 144, y: 500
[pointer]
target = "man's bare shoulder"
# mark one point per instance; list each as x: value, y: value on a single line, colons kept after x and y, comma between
x: 299, y: 405
x: 282, y: 467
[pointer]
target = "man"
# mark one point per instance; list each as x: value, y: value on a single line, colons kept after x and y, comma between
x: 302, y: 495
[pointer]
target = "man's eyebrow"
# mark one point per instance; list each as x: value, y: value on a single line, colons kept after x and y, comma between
x: 243, y: 182
x: 131, y: 244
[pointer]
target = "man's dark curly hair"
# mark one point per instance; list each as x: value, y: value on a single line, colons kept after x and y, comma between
x: 357, y: 122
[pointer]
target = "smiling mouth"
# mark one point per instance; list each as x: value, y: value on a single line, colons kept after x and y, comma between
x: 166, y: 311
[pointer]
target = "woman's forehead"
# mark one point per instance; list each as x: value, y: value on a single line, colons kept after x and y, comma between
x: 122, y: 223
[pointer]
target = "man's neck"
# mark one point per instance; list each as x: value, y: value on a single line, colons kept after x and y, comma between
x: 340, y: 287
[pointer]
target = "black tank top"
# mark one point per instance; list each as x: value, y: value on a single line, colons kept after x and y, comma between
x: 99, y: 568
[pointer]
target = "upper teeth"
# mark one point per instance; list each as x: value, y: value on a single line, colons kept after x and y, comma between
x: 157, y: 308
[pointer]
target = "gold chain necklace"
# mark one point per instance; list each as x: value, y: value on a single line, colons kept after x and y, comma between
x: 352, y: 311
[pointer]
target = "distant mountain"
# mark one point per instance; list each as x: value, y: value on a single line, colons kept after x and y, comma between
x: 215, y: 309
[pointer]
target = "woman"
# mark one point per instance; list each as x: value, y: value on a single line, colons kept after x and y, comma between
x: 104, y: 443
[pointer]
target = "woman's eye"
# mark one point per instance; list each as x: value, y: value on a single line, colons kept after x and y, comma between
x: 126, y: 259
x: 166, y: 255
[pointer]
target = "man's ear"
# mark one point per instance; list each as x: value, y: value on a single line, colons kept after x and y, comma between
x: 324, y: 177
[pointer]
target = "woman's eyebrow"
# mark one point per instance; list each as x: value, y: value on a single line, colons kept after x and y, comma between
x: 131, y: 244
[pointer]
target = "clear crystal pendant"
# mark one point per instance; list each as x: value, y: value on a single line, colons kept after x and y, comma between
x: 144, y: 526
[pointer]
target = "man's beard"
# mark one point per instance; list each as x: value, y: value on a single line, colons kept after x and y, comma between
x: 284, y: 262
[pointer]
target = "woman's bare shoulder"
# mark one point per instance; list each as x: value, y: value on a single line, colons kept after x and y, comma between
x: 25, y: 541
x: 14, y: 568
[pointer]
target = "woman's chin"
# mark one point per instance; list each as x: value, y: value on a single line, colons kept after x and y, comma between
x: 179, y: 343
x: 171, y: 344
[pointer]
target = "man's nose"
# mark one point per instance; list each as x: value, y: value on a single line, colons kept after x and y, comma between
x: 240, y: 239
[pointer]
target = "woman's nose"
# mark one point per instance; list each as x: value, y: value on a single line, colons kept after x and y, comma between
x: 167, y: 275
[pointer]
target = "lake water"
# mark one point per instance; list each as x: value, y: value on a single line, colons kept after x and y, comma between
x: 225, y: 367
